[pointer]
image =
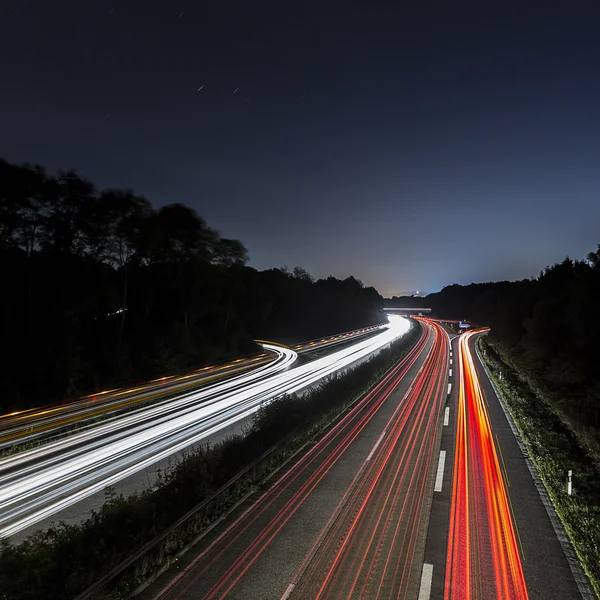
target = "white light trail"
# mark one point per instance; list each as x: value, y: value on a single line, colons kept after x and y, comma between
x: 40, y: 482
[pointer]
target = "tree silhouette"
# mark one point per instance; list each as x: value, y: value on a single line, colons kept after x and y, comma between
x: 102, y: 290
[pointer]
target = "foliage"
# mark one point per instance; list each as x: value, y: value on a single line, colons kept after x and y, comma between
x: 64, y: 560
x: 102, y: 290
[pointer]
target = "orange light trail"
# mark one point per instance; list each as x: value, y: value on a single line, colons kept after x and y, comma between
x: 25, y: 423
x: 483, y: 559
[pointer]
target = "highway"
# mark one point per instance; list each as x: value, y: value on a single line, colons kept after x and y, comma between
x: 26, y: 425
x: 491, y: 536
x: 349, y: 517
x: 483, y: 557
x: 33, y: 423
x: 40, y: 482
x: 420, y: 492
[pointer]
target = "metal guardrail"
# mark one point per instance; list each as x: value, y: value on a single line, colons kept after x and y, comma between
x: 112, y: 575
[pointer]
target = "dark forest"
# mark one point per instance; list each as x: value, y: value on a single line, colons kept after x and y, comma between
x: 101, y: 289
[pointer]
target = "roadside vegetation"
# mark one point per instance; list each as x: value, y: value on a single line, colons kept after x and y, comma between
x: 65, y: 560
x: 554, y: 449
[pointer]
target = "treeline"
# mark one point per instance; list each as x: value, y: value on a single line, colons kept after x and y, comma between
x: 547, y: 328
x: 99, y: 289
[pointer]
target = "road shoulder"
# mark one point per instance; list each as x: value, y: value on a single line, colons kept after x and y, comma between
x: 546, y: 568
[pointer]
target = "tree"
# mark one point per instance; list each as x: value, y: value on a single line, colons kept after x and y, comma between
x: 118, y: 222
x: 594, y: 258
x: 229, y: 253
x: 74, y: 256
x: 185, y: 235
x: 302, y: 274
x: 70, y: 200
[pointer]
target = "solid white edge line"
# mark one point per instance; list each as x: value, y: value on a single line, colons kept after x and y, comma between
x: 426, y: 579
x: 289, y: 591
x: 439, y: 478
x: 447, y: 416
x: 449, y: 388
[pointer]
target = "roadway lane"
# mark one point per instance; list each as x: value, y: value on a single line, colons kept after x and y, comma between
x: 35, y: 423
x: 367, y: 485
x: 439, y: 521
x: 39, y: 483
x: 483, y: 555
x: 547, y: 573
x: 374, y: 547
x: 22, y: 426
x: 501, y: 543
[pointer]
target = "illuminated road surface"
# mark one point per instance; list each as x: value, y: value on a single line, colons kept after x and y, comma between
x: 38, y: 483
x: 371, y: 548
x: 30, y: 424
x: 349, y: 519
x: 483, y: 556
x: 354, y: 517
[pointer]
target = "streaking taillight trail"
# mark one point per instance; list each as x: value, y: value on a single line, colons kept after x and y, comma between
x: 483, y: 558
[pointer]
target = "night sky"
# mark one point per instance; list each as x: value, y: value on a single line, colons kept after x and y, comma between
x: 410, y: 144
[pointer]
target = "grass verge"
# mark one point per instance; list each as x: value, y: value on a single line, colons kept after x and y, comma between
x: 554, y: 450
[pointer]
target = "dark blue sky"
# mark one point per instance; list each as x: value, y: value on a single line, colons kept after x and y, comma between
x: 411, y: 144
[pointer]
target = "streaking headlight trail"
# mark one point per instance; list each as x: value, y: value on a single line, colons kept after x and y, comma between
x: 39, y: 483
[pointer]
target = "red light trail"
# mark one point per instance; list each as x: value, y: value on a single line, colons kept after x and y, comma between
x: 483, y: 558
x: 371, y: 549
x: 376, y: 530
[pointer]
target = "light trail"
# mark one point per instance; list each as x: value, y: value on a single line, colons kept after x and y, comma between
x: 26, y: 425
x: 38, y: 483
x: 483, y: 559
x: 35, y: 423
x: 370, y: 550
x: 367, y: 546
x: 245, y: 541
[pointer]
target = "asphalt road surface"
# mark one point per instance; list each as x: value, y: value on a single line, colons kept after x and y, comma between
x: 42, y: 482
x: 349, y: 518
x: 490, y: 535
x: 420, y: 492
